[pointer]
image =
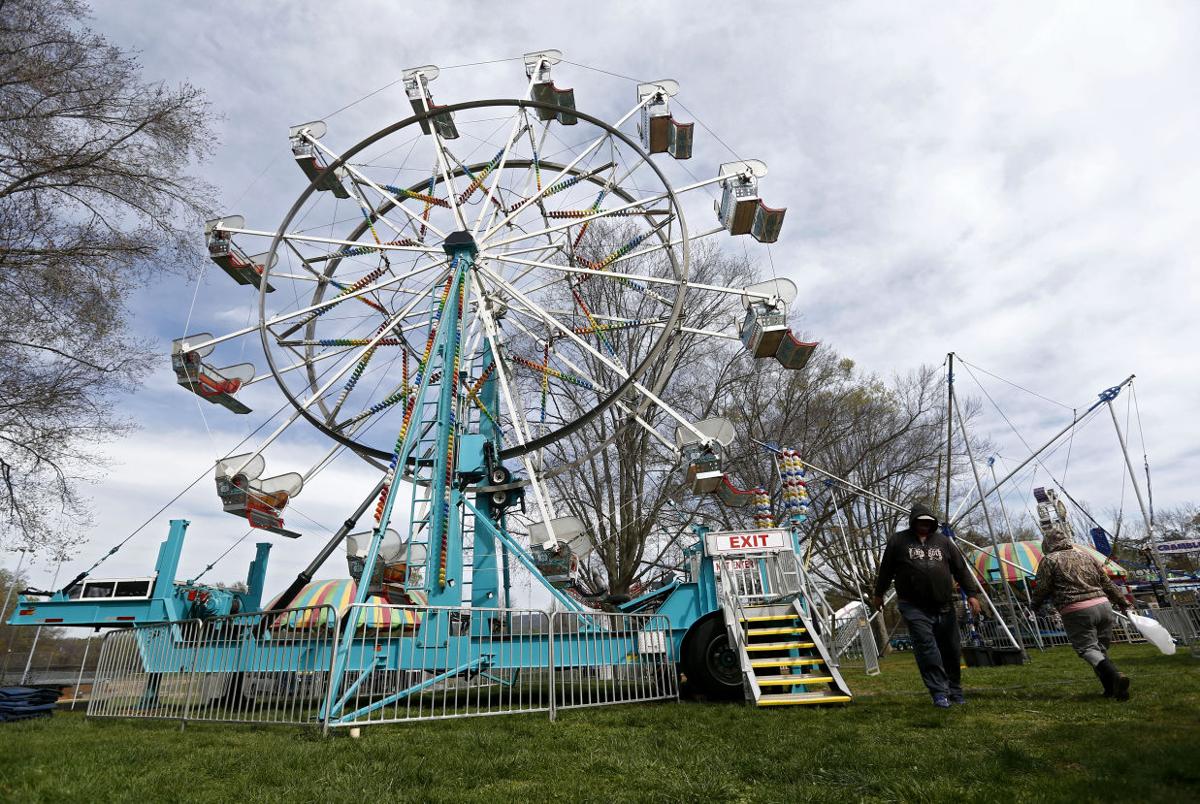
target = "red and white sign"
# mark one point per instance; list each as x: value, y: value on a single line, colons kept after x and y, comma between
x: 727, y: 542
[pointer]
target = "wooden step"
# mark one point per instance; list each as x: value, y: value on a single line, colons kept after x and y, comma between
x: 766, y: 631
x: 802, y: 698
x: 791, y: 661
x: 793, y: 680
x: 760, y: 646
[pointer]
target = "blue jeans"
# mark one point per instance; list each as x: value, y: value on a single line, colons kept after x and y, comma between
x: 936, y: 647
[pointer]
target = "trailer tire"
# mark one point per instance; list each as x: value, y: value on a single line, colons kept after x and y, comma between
x: 710, y: 664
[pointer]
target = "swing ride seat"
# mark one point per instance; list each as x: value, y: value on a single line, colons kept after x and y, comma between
x: 305, y: 152
x: 765, y: 332
x: 398, y: 564
x: 327, y: 180
x: 215, y: 385
x: 794, y: 353
x: 416, y: 86
x: 564, y: 99
x: 556, y: 547
x: 559, y: 566
x: 659, y: 131
x: 245, y: 493
x: 764, y: 329
x: 733, y: 497
x: 444, y: 123
x: 740, y: 209
x: 662, y: 133
x: 704, y: 473
x: 244, y: 269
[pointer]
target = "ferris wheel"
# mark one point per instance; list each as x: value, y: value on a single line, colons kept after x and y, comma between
x: 456, y: 297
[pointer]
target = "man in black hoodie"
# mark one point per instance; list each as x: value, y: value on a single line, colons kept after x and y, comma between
x: 925, y: 564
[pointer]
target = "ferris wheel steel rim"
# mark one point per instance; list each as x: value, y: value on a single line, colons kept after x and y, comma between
x: 659, y: 349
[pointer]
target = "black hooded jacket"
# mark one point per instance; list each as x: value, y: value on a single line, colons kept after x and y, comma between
x: 924, y: 573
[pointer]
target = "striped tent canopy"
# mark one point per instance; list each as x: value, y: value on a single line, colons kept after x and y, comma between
x: 1028, y: 555
x: 340, y: 594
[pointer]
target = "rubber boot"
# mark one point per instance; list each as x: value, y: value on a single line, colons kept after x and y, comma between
x: 1105, y: 679
x: 1119, y: 681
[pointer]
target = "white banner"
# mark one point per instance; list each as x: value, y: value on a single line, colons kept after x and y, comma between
x: 1180, y: 546
x: 728, y: 542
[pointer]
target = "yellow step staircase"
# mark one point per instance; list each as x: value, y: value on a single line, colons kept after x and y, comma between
x: 788, y: 663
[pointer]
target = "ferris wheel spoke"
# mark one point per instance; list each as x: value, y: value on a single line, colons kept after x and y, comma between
x: 533, y: 174
x: 361, y: 177
x: 517, y: 131
x: 622, y: 406
x: 317, y: 276
x: 613, y: 212
x: 563, y: 172
x: 304, y: 405
x: 300, y: 237
x: 370, y: 214
x: 666, y: 245
x: 442, y: 163
x: 491, y: 332
x: 297, y: 366
x: 516, y: 413
x: 556, y: 324
x: 313, y: 311
x: 623, y: 278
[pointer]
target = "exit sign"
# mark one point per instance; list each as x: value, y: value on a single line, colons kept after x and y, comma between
x: 732, y: 542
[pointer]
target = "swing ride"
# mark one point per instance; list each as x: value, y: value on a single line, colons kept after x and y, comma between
x: 456, y: 299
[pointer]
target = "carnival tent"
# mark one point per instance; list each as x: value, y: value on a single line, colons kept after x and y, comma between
x: 1028, y: 555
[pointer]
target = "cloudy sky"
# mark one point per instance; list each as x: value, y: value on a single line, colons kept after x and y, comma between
x: 1013, y: 182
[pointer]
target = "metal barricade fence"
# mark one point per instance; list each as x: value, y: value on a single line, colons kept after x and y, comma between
x: 1182, y: 621
x: 1050, y: 632
x: 403, y: 663
x: 143, y: 672
x: 602, y: 658
x: 451, y: 662
x: 263, y: 667
x: 854, y: 639
x: 741, y: 577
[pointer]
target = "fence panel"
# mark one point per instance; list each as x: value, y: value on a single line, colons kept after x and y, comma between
x: 603, y: 658
x: 1182, y: 621
x: 451, y: 662
x: 143, y: 672
x: 404, y: 663
x: 264, y: 667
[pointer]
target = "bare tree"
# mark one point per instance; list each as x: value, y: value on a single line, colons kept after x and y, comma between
x: 623, y: 490
x: 95, y: 199
x: 886, y: 436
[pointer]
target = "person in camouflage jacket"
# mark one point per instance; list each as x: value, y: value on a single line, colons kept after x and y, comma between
x: 1084, y: 596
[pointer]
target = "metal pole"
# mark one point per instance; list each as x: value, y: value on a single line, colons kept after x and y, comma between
x: 1078, y: 418
x: 1012, y: 540
x: 987, y: 518
x: 1137, y: 490
x: 949, y: 431
x: 38, y: 633
x: 24, y: 551
x: 87, y: 644
x: 12, y: 584
x: 306, y: 575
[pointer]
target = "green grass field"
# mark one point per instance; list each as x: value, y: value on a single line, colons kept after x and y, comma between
x: 1037, y: 733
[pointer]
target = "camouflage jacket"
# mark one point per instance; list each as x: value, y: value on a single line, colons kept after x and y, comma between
x: 1069, y: 575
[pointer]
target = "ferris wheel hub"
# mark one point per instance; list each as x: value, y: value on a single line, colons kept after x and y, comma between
x: 458, y: 242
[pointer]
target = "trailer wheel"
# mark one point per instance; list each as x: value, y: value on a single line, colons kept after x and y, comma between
x: 709, y: 661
